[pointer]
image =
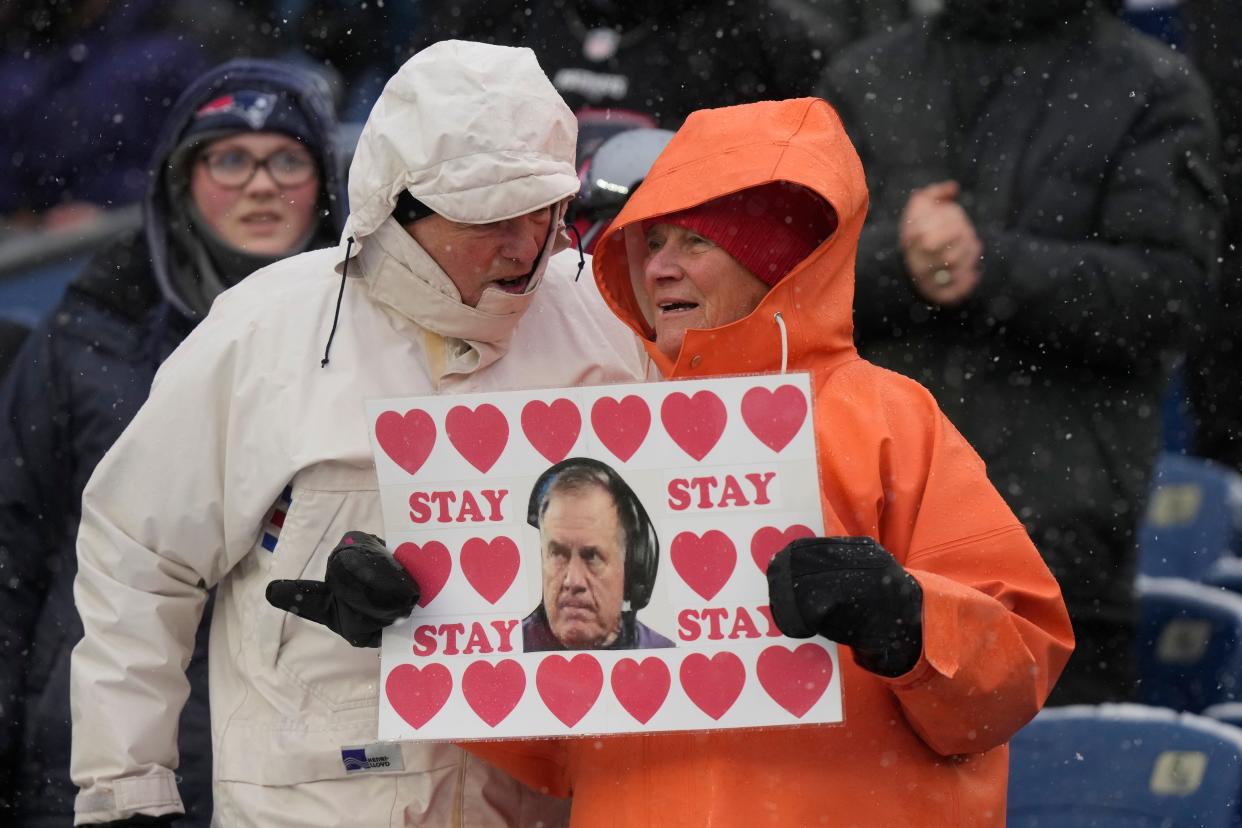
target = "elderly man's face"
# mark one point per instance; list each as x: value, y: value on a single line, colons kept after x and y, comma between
x: 499, y: 255
x: 692, y: 283
x: 583, y: 567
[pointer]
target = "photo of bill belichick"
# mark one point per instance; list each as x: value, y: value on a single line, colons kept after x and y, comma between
x: 599, y: 554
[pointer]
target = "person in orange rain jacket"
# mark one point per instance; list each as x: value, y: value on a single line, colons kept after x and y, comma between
x: 736, y: 255
x: 720, y: 269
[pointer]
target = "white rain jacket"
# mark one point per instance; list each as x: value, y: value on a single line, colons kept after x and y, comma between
x: 243, y: 409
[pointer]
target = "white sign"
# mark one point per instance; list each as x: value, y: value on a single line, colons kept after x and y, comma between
x: 592, y: 560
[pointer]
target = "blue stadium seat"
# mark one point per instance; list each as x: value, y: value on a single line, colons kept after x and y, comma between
x: 1194, y: 518
x: 1189, y: 644
x: 1124, y: 766
x: 1225, y: 574
x: 1228, y: 712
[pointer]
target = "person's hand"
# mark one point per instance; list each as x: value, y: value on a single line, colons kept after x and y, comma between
x: 364, y: 590
x: 852, y: 591
x: 940, y: 245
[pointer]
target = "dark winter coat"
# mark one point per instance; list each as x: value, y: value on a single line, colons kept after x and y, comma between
x: 80, y: 378
x: 1086, y: 169
x: 667, y: 60
x: 78, y: 381
x: 1213, y: 378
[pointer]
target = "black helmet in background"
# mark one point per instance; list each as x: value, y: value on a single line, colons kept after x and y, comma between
x: 609, y: 175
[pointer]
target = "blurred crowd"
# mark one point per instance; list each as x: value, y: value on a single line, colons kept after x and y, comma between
x: 1052, y: 243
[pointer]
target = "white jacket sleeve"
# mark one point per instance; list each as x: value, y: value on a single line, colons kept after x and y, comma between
x: 172, y: 507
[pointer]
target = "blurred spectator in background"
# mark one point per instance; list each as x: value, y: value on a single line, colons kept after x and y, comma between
x: 1214, y: 368
x: 245, y: 173
x: 664, y: 59
x: 1043, y: 232
x: 84, y: 87
x: 362, y: 44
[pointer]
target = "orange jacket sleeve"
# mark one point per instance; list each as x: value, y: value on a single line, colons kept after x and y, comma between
x: 996, y: 634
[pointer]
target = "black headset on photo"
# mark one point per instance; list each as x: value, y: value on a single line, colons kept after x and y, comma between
x: 642, y: 552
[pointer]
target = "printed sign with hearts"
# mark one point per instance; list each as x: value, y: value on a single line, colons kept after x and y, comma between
x: 774, y: 415
x: 569, y: 687
x: 429, y: 565
x: 713, y: 684
x: 490, y: 566
x: 552, y: 429
x: 704, y: 563
x: 406, y: 439
x: 720, y: 468
x: 769, y: 540
x: 493, y: 690
x: 795, y: 679
x: 641, y: 687
x: 621, y: 425
x: 418, y: 694
x: 695, y: 423
x: 479, y: 435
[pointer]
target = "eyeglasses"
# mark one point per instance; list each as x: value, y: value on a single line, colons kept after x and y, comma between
x: 235, y: 168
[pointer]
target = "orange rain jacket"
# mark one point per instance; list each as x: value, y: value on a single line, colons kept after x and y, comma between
x: 927, y: 748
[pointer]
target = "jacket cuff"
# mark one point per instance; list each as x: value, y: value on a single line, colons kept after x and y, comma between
x: 154, y: 794
x: 940, y: 633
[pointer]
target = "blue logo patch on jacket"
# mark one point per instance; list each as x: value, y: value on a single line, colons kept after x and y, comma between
x: 380, y: 756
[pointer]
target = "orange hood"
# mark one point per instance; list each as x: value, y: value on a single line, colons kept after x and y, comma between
x: 721, y: 151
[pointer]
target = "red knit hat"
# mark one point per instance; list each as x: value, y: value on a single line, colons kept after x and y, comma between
x: 768, y: 229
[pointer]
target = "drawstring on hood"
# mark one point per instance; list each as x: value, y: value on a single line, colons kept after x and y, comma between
x: 780, y: 324
x: 340, y: 295
x: 577, y: 246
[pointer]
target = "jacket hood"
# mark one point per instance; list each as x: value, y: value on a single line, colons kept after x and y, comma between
x: 722, y: 151
x: 475, y: 132
x: 308, y: 91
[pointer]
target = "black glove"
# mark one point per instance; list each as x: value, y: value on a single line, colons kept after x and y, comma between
x: 143, y: 821
x: 365, y: 589
x: 852, y: 591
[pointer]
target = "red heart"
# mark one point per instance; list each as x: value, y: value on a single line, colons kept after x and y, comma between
x: 713, y: 684
x: 490, y: 567
x: 769, y: 540
x: 795, y: 679
x: 406, y: 439
x: 493, y: 690
x: 551, y: 429
x: 774, y: 416
x: 416, y: 694
x: 569, y: 687
x: 695, y: 423
x: 479, y: 435
x: 429, y: 565
x: 621, y: 426
x: 641, y: 688
x: 704, y: 563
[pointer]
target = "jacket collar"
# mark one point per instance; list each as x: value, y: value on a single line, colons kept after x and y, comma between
x: 400, y: 275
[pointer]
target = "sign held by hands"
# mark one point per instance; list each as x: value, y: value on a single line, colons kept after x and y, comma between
x: 593, y: 560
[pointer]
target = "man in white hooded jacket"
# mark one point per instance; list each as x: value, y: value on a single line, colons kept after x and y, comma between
x: 251, y: 459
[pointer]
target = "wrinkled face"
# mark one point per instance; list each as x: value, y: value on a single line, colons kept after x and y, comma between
x: 499, y: 255
x: 583, y: 567
x: 692, y: 283
x: 261, y: 216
